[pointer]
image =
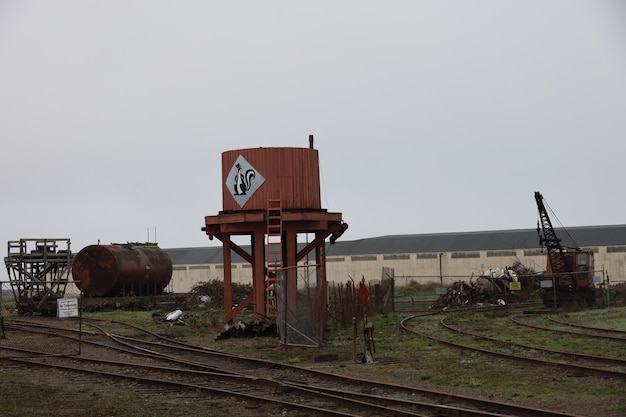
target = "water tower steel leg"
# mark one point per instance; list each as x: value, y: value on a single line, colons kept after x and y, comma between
x: 320, y: 260
x: 228, y: 279
x: 258, y: 273
x: 291, y: 250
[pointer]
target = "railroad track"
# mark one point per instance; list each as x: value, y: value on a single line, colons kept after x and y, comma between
x: 584, y: 331
x: 154, y: 362
x: 619, y: 334
x: 573, y: 361
x: 576, y: 362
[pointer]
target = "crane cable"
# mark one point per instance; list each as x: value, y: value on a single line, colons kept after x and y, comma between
x: 561, y: 227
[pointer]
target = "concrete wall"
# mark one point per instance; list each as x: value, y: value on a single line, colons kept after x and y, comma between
x: 419, y: 267
x: 422, y: 268
x: 185, y: 277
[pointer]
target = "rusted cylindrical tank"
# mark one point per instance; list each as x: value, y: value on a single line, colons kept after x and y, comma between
x: 116, y: 269
x: 251, y: 176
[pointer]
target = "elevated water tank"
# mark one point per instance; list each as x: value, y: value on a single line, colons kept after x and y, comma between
x: 251, y: 176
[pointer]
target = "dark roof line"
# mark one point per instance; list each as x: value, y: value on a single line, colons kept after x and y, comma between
x: 584, y: 236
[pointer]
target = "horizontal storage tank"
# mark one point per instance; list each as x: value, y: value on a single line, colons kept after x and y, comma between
x: 122, y: 269
x: 251, y: 176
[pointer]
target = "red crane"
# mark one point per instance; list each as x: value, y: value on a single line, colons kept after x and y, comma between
x: 569, y: 270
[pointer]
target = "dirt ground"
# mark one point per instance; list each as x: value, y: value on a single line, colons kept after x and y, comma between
x: 22, y: 388
x: 80, y: 395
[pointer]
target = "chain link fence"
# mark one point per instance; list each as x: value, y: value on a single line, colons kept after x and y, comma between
x: 299, y: 309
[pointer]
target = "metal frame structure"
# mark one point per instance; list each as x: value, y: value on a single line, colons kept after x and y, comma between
x: 272, y: 195
x: 39, y: 273
x: 557, y: 258
x: 256, y: 224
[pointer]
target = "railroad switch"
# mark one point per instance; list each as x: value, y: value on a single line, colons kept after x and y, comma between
x: 369, y: 346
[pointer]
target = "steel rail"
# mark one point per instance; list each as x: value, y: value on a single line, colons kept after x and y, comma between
x: 273, y: 385
x: 467, y: 400
x: 515, y: 319
x: 580, y: 368
x: 592, y: 328
x: 602, y: 359
x: 341, y: 394
x: 367, y: 402
x: 195, y: 387
x: 537, y: 412
x: 443, y: 409
x: 129, y: 349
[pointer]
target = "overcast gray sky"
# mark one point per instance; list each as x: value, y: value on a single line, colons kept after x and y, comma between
x: 429, y: 116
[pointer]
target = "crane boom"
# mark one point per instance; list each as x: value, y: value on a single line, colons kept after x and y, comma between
x: 556, y: 257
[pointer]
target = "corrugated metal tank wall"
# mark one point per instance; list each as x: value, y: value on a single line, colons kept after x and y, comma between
x: 291, y: 173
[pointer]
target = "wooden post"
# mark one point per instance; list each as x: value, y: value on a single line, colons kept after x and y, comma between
x: 354, y: 339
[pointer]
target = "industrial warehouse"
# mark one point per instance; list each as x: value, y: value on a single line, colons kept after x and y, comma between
x: 440, y: 257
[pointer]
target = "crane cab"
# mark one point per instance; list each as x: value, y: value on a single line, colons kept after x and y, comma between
x: 575, y: 284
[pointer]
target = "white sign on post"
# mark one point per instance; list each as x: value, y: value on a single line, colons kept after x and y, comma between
x: 441, y: 290
x: 67, y: 307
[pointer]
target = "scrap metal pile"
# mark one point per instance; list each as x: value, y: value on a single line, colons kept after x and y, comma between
x: 491, y: 287
x: 249, y: 329
x: 462, y: 294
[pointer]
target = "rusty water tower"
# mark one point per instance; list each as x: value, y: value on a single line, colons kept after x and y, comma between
x: 272, y: 195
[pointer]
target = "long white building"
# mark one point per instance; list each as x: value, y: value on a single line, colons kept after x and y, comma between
x: 441, y: 258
